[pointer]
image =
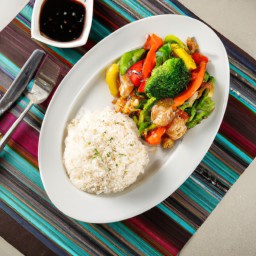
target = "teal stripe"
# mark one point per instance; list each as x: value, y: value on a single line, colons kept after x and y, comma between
x: 220, y: 168
x: 141, y: 10
x: 98, y: 32
x: 35, y: 109
x: 242, y: 100
x: 28, y: 170
x: 70, y: 55
x: 31, y: 173
x: 21, y: 21
x: 175, y: 7
x: 176, y: 218
x: 9, y: 66
x: 21, y: 164
x: 26, y: 12
x: 119, y: 10
x: 37, y: 221
x: 90, y: 228
x: 115, y: 240
x: 208, y: 189
x: 242, y: 74
x: 132, y: 238
x: 225, y: 143
x: 199, y: 195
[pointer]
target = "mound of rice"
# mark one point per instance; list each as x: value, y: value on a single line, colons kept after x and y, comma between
x: 103, y: 153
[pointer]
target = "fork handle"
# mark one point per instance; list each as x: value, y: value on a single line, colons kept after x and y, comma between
x: 9, y: 133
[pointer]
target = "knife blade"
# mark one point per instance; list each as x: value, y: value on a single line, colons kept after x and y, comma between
x: 22, y: 80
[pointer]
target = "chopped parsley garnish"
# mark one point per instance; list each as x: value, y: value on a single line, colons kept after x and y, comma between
x: 96, y: 153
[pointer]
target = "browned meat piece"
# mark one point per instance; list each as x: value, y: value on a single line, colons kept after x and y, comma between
x: 178, y: 126
x: 192, y: 45
x: 126, y: 106
x: 162, y: 113
x: 167, y: 143
x: 126, y: 86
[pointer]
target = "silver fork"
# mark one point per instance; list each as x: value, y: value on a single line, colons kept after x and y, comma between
x: 44, y: 82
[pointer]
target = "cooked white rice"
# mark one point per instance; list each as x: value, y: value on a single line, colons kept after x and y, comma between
x: 103, y: 153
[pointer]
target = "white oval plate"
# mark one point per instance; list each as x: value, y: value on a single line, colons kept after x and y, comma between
x: 85, y: 85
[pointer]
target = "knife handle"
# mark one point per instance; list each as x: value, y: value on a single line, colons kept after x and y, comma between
x: 11, y: 130
x: 22, y: 80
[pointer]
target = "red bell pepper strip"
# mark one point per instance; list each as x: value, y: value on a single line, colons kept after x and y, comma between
x: 154, y: 137
x: 194, y: 74
x: 142, y: 86
x: 149, y: 63
x: 198, y: 58
x: 153, y: 41
x: 135, y: 73
x: 192, y: 87
x: 152, y: 44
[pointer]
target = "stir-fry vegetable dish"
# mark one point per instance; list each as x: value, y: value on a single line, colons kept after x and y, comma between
x: 164, y: 87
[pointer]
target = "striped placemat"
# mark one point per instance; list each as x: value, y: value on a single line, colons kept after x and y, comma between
x: 167, y: 227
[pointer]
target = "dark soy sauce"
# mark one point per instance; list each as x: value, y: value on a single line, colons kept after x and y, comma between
x: 62, y: 20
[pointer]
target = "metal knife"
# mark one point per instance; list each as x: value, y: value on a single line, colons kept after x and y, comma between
x: 22, y: 80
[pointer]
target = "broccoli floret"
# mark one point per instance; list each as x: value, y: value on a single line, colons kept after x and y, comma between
x: 168, y: 80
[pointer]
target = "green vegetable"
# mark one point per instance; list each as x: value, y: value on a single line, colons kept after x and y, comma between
x: 147, y: 107
x: 140, y: 94
x: 130, y: 58
x: 192, y: 111
x: 147, y: 118
x: 174, y: 39
x: 209, y: 85
x: 168, y: 80
x: 143, y: 126
x: 147, y: 129
x: 141, y: 104
x: 135, y: 119
x: 206, y: 77
x: 211, y: 79
x: 144, y: 121
x: 200, y: 110
x: 185, y: 106
x: 163, y: 54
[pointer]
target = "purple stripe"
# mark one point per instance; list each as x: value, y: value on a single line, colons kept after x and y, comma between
x: 25, y: 135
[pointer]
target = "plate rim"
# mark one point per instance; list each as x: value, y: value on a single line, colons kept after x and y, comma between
x: 70, y: 73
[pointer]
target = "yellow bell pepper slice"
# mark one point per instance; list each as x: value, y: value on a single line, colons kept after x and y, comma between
x: 112, y: 79
x: 181, y: 53
x: 175, y: 40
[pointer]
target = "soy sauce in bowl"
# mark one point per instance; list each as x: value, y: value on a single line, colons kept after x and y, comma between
x: 62, y: 20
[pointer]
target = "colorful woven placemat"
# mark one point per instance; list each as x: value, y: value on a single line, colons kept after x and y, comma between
x: 167, y: 227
